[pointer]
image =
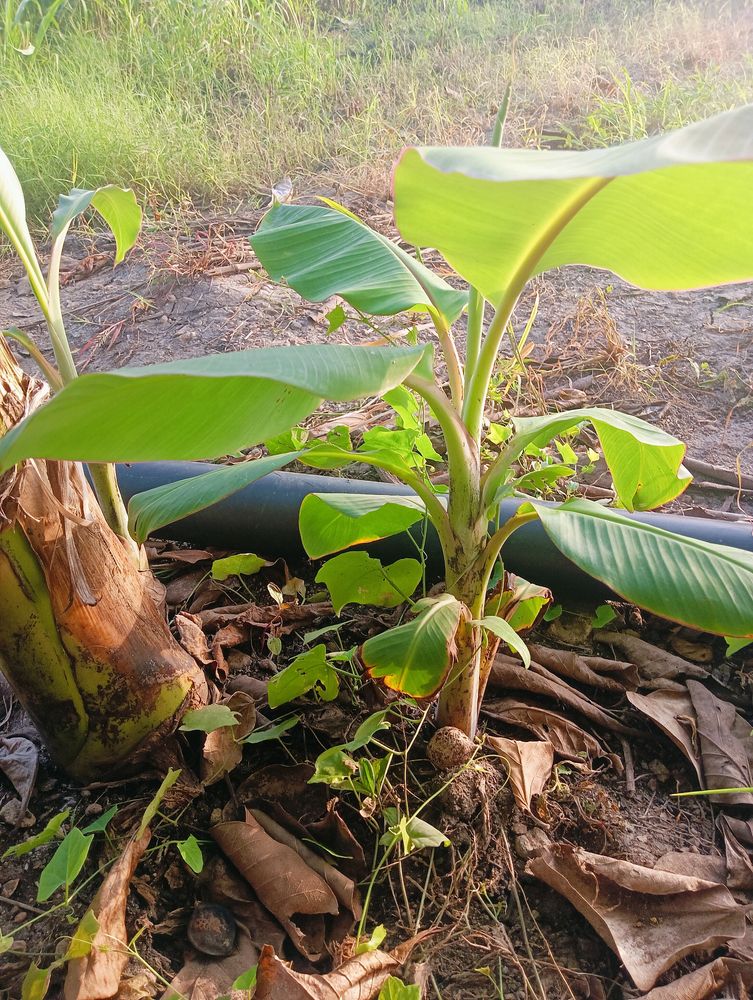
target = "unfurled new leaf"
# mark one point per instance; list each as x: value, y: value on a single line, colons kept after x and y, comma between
x: 242, y: 564
x: 208, y: 718
x: 117, y: 206
x: 322, y: 252
x: 65, y: 864
x: 651, y: 211
x: 504, y: 631
x: 38, y: 840
x: 190, y: 850
x: 415, y: 658
x: 156, y: 801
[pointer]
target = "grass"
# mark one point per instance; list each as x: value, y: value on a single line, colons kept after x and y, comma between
x: 211, y: 100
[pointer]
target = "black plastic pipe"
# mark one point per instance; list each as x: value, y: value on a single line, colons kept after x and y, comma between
x: 263, y: 518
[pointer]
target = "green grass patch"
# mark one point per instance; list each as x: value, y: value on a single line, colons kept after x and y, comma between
x: 211, y: 99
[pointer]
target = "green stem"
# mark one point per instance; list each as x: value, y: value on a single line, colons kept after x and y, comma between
x: 49, y: 371
x: 475, y: 326
x: 30, y: 263
x: 479, y: 386
x: 460, y: 698
x: 103, y: 476
x: 497, y: 471
x: 492, y: 549
x: 484, y: 369
x: 451, y: 359
x: 113, y: 509
x: 476, y: 301
x: 58, y: 336
x: 460, y: 447
x: 389, y: 848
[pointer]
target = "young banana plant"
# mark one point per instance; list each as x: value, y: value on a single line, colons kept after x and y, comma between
x: 670, y: 212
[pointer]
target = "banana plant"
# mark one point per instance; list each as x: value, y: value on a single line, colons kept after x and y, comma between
x: 82, y: 642
x: 670, y: 212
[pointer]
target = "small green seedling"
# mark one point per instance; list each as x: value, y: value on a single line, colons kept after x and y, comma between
x: 396, y: 989
x: 190, y: 850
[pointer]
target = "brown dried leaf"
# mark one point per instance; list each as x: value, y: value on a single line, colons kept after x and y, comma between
x: 569, y: 741
x: 738, y: 844
x: 650, y: 918
x: 692, y: 649
x: 231, y: 635
x: 332, y: 831
x: 529, y: 764
x: 703, y: 983
x: 207, y: 592
x: 142, y: 985
x: 192, y: 638
x: 204, y: 978
x: 566, y: 663
x: 282, y: 880
x: 673, y: 713
x: 708, y: 867
x: 743, y: 947
x: 253, y: 686
x: 510, y: 675
x: 97, y: 975
x: 190, y: 556
x: 651, y: 661
x: 285, y: 617
x: 725, y: 746
x: 182, y: 587
x: 19, y: 760
x: 361, y: 978
x: 223, y: 749
x: 343, y: 887
x: 224, y: 886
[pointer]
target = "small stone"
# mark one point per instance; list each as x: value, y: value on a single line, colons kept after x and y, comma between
x: 20, y: 917
x: 11, y: 814
x: 212, y: 929
x: 449, y: 748
x: 94, y: 809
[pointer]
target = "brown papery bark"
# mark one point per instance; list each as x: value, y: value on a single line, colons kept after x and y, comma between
x: 82, y: 642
